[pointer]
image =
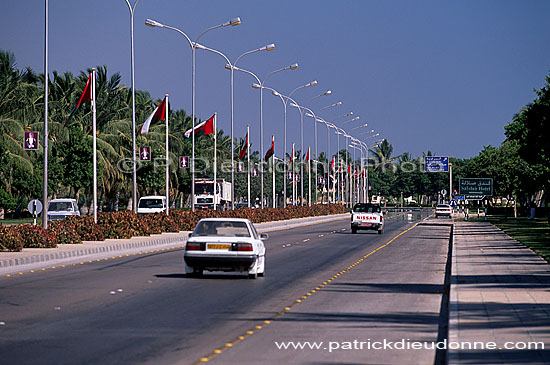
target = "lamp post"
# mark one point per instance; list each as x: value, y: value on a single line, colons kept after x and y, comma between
x: 312, y: 83
x: 46, y: 82
x: 134, y: 162
x: 231, y: 66
x: 193, y: 45
x: 260, y: 86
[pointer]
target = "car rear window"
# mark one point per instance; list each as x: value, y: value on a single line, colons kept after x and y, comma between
x: 221, y: 228
x: 366, y: 208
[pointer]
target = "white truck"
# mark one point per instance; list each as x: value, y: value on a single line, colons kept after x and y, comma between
x: 367, y: 216
x: 151, y: 204
x: 205, y: 197
x: 59, y: 209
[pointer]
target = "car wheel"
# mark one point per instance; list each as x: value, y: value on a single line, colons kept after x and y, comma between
x: 197, y: 273
x: 253, y: 276
x: 353, y: 230
x: 262, y: 274
x: 380, y: 231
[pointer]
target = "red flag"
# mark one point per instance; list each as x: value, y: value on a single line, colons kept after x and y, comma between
x: 291, y: 156
x: 332, y: 163
x: 242, y: 154
x: 204, y: 128
x: 158, y: 114
x: 307, y: 158
x: 271, y: 151
x: 349, y: 169
x: 84, y: 98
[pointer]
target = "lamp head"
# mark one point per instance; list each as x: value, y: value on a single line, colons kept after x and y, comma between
x: 233, y: 22
x: 228, y: 67
x: 256, y: 86
x: 294, y: 66
x: 328, y: 92
x: 313, y: 83
x: 152, y: 23
x: 269, y: 47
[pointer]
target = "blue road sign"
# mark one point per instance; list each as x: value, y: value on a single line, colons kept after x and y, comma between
x: 460, y: 197
x: 453, y: 203
x: 436, y: 164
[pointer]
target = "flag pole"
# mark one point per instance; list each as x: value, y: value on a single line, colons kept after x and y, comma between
x: 293, y: 178
x: 215, y: 162
x: 273, y: 143
x: 94, y: 131
x: 309, y: 176
x: 167, y: 159
x: 248, y: 160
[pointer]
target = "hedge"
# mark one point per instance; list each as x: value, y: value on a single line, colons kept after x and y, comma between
x: 126, y: 224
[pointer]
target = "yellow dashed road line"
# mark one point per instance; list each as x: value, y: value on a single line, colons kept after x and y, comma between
x: 242, y: 337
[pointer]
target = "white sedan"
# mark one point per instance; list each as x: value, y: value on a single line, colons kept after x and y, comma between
x: 225, y: 244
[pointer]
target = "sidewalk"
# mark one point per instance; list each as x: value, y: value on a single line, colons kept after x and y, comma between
x: 36, y: 258
x: 500, y: 292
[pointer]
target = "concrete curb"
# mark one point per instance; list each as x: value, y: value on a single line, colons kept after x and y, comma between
x: 36, y: 258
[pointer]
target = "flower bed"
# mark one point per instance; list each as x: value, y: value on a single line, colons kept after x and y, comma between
x: 126, y: 224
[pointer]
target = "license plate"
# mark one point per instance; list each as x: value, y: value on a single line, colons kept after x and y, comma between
x: 218, y: 246
x: 366, y: 224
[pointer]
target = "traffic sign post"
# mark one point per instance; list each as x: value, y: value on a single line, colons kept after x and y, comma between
x: 35, y: 208
x: 436, y: 164
x: 475, y: 188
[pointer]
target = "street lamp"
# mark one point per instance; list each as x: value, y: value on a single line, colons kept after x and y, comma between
x: 351, y: 120
x: 260, y: 86
x: 361, y: 126
x: 231, y: 67
x: 134, y: 172
x: 194, y: 45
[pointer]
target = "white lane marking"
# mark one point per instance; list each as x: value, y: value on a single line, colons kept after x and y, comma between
x: 307, y: 239
x: 321, y: 235
x: 119, y: 290
x: 112, y: 292
x: 57, y: 308
x: 2, y: 323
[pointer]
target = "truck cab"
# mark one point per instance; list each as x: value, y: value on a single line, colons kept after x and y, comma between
x: 205, y: 196
x: 367, y: 216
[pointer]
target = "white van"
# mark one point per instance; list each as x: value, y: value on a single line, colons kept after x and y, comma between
x: 151, y: 204
x: 59, y: 209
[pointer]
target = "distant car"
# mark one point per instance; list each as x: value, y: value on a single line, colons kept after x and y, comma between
x: 443, y: 210
x: 366, y: 216
x: 59, y: 209
x: 225, y: 244
x: 242, y: 205
x: 151, y: 204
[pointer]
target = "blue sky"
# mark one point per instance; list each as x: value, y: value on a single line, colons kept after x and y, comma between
x: 444, y: 76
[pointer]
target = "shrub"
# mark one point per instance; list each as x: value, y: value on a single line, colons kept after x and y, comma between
x: 36, y: 236
x: 10, y: 239
x: 65, y: 232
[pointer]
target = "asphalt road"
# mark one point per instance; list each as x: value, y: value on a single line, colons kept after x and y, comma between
x: 142, y: 309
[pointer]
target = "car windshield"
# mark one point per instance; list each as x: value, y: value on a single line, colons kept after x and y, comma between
x: 60, y: 207
x: 221, y: 228
x: 366, y: 208
x: 150, y: 203
x: 204, y: 188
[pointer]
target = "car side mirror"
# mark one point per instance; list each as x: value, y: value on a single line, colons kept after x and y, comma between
x: 264, y: 236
